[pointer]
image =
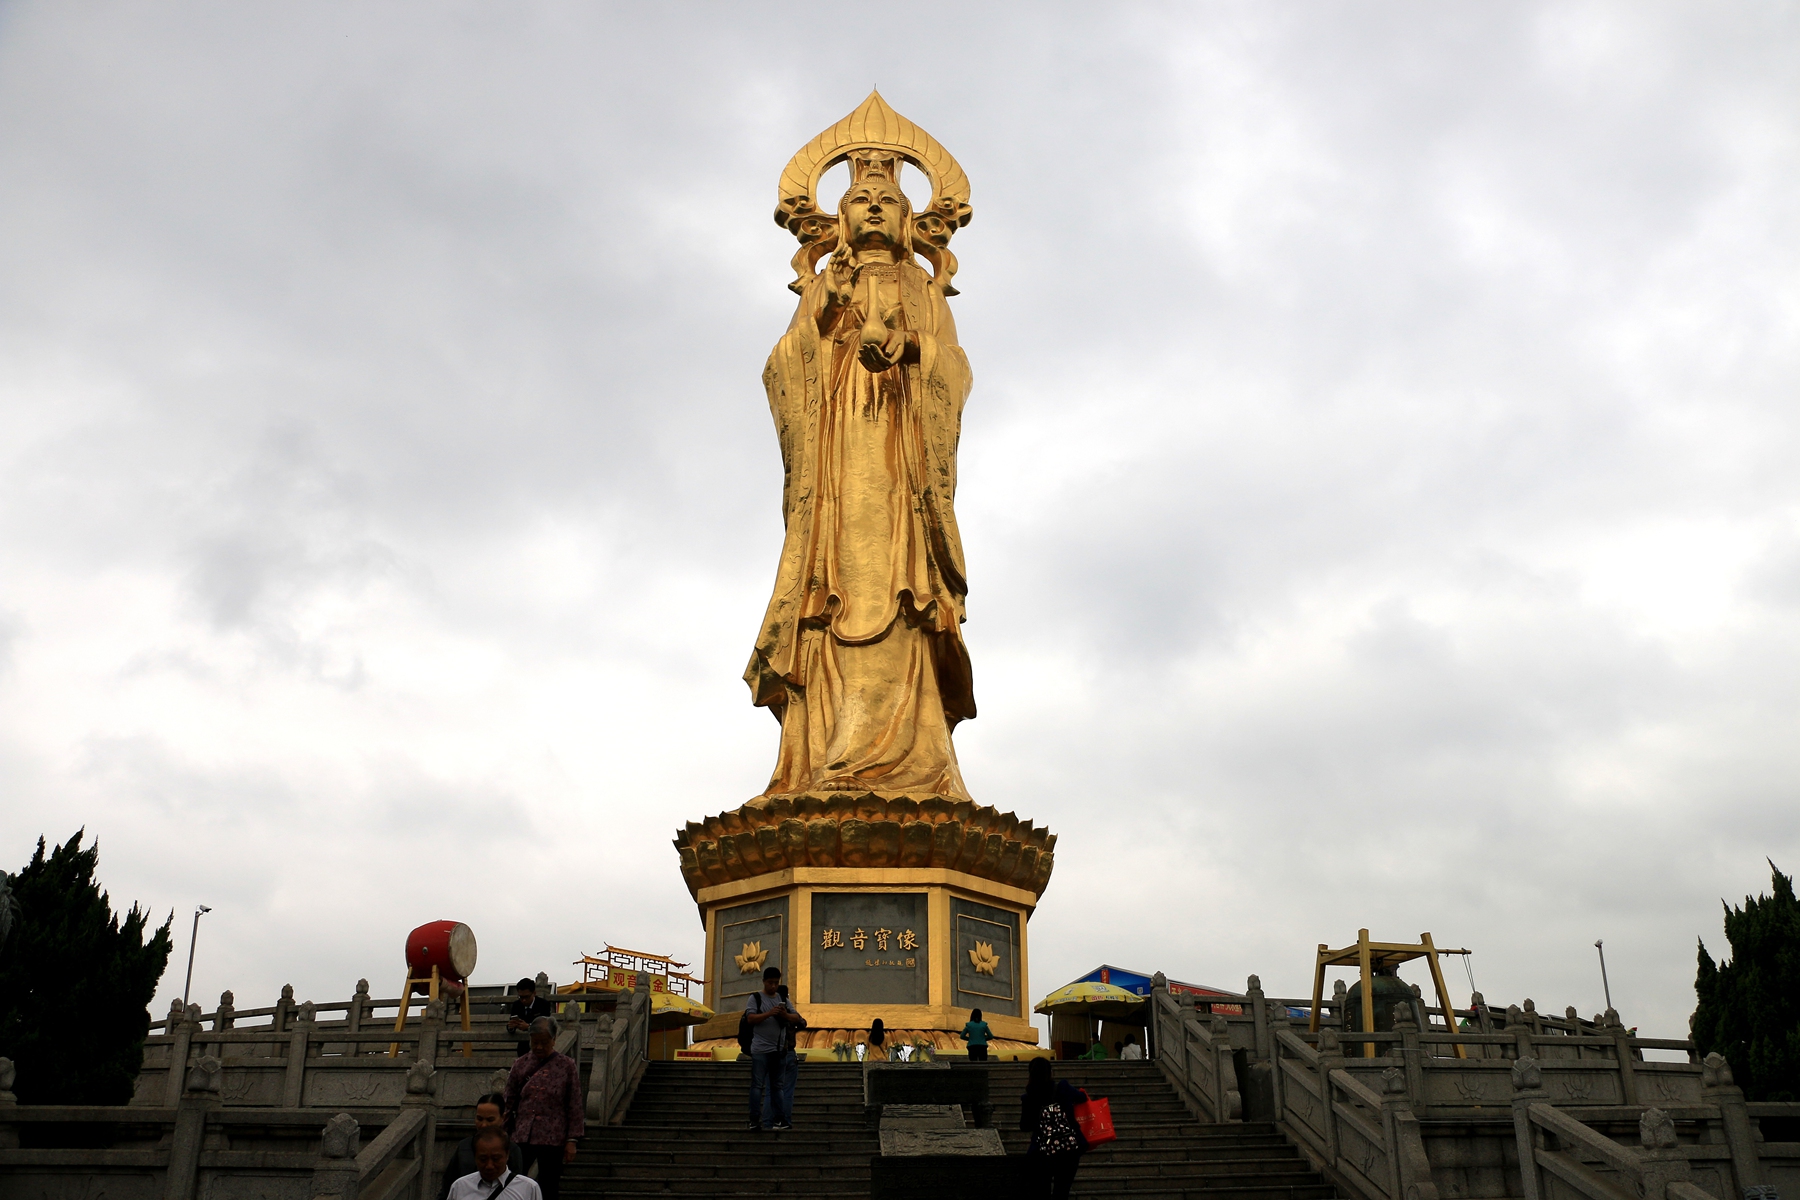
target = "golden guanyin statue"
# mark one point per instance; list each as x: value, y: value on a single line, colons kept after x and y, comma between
x: 861, y: 656
x: 865, y: 831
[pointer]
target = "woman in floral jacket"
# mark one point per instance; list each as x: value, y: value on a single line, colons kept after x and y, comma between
x: 544, y: 1107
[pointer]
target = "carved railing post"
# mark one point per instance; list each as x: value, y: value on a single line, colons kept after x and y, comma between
x: 1393, y: 1102
x: 1159, y: 989
x: 200, y: 1098
x: 359, y: 1006
x: 642, y: 1021
x: 1412, y: 1167
x: 299, y: 1043
x: 1277, y: 1084
x: 1528, y: 1088
x: 1521, y: 1032
x: 573, y: 1031
x: 334, y: 1174
x: 284, y: 1010
x: 180, y: 1040
x: 1259, y: 1010
x: 1664, y: 1163
x: 600, y: 1069
x: 226, y: 1016
x: 421, y: 1092
x: 1718, y: 1086
x: 1230, y: 1095
x: 1411, y: 1051
x: 1187, y: 1019
x: 431, y: 1029
x: 1621, y: 1040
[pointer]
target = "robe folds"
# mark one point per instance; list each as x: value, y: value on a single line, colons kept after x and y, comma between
x: 861, y: 656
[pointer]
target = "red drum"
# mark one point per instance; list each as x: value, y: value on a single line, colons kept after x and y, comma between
x: 447, y: 945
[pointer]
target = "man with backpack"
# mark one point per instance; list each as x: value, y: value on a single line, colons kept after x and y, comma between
x: 762, y: 1033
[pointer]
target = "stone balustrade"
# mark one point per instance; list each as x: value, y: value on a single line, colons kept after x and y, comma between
x: 1536, y: 1107
x: 278, y: 1101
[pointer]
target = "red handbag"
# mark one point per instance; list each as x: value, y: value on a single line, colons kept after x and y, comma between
x: 1095, y: 1118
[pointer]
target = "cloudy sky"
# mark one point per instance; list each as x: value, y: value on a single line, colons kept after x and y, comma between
x: 1379, y: 487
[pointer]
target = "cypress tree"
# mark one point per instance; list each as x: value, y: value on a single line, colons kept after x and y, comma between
x: 76, y: 982
x: 1749, y: 1007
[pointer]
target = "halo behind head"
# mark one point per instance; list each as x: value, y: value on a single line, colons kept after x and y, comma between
x: 873, y: 133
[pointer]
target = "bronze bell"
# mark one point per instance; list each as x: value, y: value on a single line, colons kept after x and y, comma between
x: 1389, y: 990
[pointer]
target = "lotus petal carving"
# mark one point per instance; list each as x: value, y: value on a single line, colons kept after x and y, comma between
x: 984, y: 958
x: 775, y: 833
x: 751, y: 959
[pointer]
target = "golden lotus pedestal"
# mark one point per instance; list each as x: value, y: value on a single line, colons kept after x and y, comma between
x: 910, y: 909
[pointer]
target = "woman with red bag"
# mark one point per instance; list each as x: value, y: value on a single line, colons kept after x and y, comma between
x: 1047, y: 1112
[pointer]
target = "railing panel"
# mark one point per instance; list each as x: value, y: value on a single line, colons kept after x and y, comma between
x: 1578, y: 1179
x: 1362, y: 1147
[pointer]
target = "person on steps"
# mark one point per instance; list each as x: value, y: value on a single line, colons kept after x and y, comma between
x: 545, y: 1107
x: 768, y: 1015
x: 493, y: 1178
x: 877, y: 1041
x: 1047, y: 1112
x: 1131, y: 1051
x: 489, y: 1114
x: 526, y: 1009
x: 977, y: 1034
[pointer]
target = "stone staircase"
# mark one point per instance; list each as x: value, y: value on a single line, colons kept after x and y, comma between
x: 686, y: 1135
x: 1161, y: 1150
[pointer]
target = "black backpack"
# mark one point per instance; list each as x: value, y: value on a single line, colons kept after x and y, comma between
x: 745, y: 1032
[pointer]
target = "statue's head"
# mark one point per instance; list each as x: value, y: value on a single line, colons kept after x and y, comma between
x: 875, y: 213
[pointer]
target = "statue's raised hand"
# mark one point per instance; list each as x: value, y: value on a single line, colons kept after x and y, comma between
x: 840, y: 283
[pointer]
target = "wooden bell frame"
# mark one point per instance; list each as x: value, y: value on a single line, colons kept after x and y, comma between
x: 1367, y: 955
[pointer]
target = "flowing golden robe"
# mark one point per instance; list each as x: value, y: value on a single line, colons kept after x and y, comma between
x: 861, y: 656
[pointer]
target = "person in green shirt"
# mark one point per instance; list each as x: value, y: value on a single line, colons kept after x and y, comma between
x: 1096, y: 1052
x: 977, y: 1034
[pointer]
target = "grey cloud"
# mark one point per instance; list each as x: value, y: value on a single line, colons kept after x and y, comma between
x: 384, y: 449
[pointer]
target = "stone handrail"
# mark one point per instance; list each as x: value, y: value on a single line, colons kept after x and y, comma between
x: 348, y: 1171
x: 1369, y: 1143
x: 358, y: 1008
x: 621, y: 1052
x: 306, y: 1066
x: 1658, y: 1169
x: 1196, y: 1056
x: 377, y: 1174
x: 1647, y: 1174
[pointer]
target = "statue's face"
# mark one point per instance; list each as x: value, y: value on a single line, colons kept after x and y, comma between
x: 875, y: 213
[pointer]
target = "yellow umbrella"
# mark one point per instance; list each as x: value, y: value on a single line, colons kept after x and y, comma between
x: 1087, y: 998
x: 670, y: 1011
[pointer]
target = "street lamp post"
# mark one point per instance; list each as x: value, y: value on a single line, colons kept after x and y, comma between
x: 192, y: 938
x: 1604, y: 986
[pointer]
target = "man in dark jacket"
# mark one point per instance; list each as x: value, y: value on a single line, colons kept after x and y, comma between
x: 489, y: 1114
x: 526, y: 1009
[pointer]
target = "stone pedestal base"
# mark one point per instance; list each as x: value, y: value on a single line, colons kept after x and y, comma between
x: 917, y: 947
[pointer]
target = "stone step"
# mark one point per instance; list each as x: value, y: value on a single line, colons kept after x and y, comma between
x: 685, y: 1136
x: 748, y: 1183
